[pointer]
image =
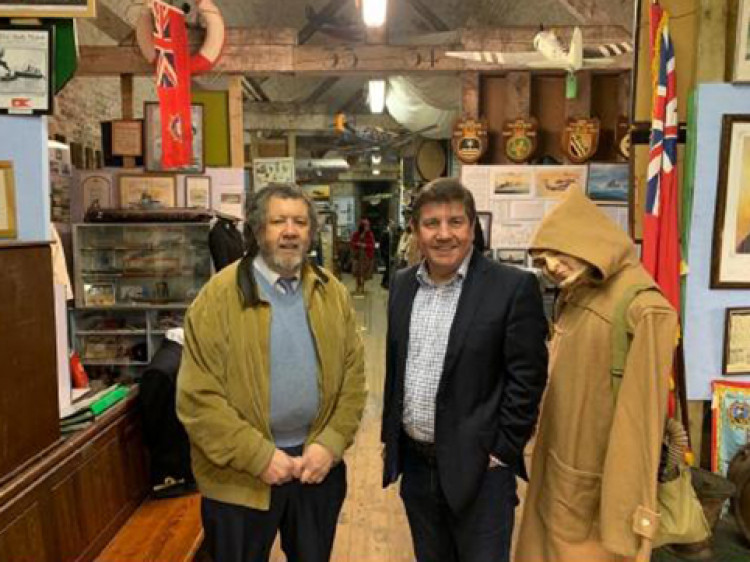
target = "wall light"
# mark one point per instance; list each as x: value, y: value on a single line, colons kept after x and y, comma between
x: 374, y: 12
x: 377, y: 158
x: 376, y: 91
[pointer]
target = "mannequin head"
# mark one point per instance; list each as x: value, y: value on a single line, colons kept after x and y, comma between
x: 563, y: 270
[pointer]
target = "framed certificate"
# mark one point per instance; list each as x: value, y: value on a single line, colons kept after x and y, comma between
x: 127, y: 137
x: 7, y: 201
x: 736, y: 359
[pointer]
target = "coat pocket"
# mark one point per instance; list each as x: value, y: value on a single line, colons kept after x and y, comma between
x: 569, y: 499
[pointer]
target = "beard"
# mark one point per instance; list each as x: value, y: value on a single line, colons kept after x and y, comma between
x: 287, y: 264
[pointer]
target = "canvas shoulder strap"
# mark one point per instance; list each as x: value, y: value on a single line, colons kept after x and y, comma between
x: 621, y: 336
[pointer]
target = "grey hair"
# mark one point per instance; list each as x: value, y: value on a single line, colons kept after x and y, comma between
x: 257, y: 207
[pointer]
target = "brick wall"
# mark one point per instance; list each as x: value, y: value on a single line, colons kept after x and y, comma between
x: 85, y: 102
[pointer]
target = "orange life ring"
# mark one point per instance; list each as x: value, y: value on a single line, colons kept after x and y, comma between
x: 209, y: 53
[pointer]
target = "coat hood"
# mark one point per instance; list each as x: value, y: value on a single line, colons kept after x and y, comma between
x: 579, y: 228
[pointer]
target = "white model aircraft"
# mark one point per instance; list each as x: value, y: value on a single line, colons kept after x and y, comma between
x: 549, y: 53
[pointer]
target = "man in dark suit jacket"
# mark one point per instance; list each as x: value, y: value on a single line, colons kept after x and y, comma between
x: 466, y: 365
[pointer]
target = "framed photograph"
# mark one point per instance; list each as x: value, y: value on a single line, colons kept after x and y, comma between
x: 26, y: 75
x: 147, y: 191
x: 515, y: 181
x: 608, y: 183
x: 511, y: 256
x: 736, y: 360
x: 554, y: 181
x: 198, y: 191
x: 8, y: 227
x: 127, y: 137
x: 96, y: 192
x: 741, y: 70
x: 730, y: 262
x: 152, y: 139
x: 272, y: 170
x: 48, y: 9
x: 99, y: 294
x: 485, y: 222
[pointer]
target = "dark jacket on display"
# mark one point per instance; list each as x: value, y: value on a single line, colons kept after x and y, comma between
x: 225, y: 243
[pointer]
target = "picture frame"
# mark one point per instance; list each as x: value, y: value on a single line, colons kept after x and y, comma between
x: 99, y: 294
x: 555, y: 181
x: 736, y: 356
x: 272, y: 170
x: 96, y: 191
x: 511, y: 181
x: 512, y: 256
x: 608, y: 183
x: 127, y: 137
x: 48, y: 9
x: 730, y: 261
x: 741, y: 67
x: 485, y: 222
x: 27, y: 77
x: 8, y: 218
x: 152, y: 139
x: 147, y: 191
x: 198, y: 191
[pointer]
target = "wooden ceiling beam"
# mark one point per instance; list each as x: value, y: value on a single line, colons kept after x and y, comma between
x: 428, y: 15
x: 111, y: 24
x: 325, y: 85
x: 326, y: 13
x: 245, y: 53
x: 305, y: 118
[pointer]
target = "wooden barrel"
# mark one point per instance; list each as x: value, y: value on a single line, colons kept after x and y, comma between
x: 739, y: 474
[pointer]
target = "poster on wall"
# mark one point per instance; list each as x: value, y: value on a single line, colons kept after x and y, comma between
x: 26, y: 76
x: 513, y: 181
x: 730, y: 267
x: 608, y: 183
x: 272, y: 170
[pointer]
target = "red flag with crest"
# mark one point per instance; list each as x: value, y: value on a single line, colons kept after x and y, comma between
x: 173, y: 85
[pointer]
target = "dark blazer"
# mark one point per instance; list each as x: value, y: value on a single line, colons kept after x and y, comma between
x: 493, y: 377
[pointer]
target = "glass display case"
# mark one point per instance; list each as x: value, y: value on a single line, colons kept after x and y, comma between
x: 140, y: 265
x: 133, y: 282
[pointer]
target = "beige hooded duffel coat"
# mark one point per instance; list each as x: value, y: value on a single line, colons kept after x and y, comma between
x: 592, y: 487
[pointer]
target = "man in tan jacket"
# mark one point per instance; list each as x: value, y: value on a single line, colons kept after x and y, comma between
x: 592, y: 490
x: 271, y: 391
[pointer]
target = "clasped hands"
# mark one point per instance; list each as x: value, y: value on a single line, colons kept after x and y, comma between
x: 311, y: 468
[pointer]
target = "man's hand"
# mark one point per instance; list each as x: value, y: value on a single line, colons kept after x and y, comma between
x: 316, y: 462
x: 280, y: 470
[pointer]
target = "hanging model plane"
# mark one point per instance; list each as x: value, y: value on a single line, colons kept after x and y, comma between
x: 549, y: 53
x: 353, y: 139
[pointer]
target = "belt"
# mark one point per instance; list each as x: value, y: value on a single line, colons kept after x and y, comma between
x: 422, y: 448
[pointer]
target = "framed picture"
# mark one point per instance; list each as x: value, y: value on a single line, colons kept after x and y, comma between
x: 272, y: 170
x: 511, y: 256
x: 730, y: 262
x: 8, y: 227
x: 198, y: 191
x: 48, y: 9
x: 741, y: 70
x: 99, y: 294
x: 96, y: 192
x: 147, y: 191
x: 608, y: 183
x: 26, y: 75
x: 127, y: 137
x: 515, y: 181
x: 485, y: 222
x: 153, y: 143
x: 554, y: 181
x: 736, y: 360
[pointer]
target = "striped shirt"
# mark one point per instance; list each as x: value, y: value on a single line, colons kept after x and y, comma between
x: 431, y: 319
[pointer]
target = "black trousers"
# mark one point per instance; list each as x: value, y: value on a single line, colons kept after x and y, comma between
x: 482, y: 533
x: 304, y: 514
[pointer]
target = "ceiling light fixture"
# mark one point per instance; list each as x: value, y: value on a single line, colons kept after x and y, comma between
x: 376, y: 91
x: 374, y: 12
x: 377, y: 158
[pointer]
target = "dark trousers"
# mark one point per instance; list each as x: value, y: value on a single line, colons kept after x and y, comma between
x: 304, y: 514
x: 481, y: 533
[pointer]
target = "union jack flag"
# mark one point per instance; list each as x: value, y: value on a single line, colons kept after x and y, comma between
x: 661, y: 237
x: 173, y: 84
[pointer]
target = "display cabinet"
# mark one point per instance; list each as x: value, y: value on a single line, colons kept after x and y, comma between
x: 133, y: 282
